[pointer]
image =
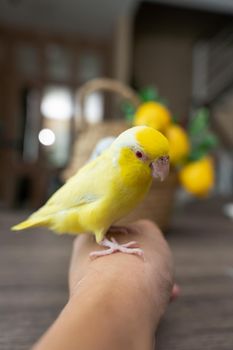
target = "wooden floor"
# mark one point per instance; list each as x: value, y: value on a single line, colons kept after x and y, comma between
x: 33, y: 281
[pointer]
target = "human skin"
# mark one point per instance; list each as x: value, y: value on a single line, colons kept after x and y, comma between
x: 116, y: 301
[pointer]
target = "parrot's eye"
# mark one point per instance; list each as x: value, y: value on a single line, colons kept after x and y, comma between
x: 139, y: 154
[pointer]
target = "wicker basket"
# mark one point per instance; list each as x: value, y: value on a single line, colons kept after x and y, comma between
x: 157, y: 206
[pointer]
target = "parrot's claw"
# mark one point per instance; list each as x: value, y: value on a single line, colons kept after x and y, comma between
x: 113, y: 247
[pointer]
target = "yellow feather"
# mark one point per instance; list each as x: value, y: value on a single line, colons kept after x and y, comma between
x: 154, y: 143
x: 29, y: 223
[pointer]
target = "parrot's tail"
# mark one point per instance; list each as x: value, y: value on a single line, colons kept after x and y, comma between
x: 33, y: 222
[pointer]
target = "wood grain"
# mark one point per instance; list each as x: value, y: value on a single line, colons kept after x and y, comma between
x: 33, y: 281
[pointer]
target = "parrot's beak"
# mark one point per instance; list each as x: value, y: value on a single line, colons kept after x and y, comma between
x: 160, y: 168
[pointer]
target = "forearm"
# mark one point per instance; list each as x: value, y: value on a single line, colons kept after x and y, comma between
x: 116, y: 302
x: 98, y: 316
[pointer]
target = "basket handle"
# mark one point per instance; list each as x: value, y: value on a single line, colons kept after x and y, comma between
x: 107, y: 85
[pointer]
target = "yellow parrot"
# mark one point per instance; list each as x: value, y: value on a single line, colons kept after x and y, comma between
x: 106, y: 189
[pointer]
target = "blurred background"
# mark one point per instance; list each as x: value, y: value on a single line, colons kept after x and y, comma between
x: 48, y: 50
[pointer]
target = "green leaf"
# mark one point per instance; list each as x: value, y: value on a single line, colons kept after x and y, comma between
x: 209, y: 142
x: 149, y: 94
x: 204, y: 147
x: 128, y: 111
x: 129, y: 118
x: 197, y: 154
x: 199, y: 123
x: 128, y: 108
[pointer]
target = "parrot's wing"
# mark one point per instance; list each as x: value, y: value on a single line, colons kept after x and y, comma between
x: 51, y: 208
x: 83, y: 188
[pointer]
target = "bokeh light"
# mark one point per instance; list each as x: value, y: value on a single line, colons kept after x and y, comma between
x: 46, y: 137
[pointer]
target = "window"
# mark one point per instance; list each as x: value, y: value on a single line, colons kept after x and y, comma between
x: 55, y: 134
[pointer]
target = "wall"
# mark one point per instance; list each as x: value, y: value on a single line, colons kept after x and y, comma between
x: 163, y: 42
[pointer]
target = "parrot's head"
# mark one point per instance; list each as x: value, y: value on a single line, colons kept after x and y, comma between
x: 144, y: 145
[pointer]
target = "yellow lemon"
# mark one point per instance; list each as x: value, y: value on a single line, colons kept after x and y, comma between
x: 198, y: 177
x: 178, y: 142
x: 153, y: 114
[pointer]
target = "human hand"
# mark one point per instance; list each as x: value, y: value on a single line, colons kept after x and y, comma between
x: 142, y: 287
x: 115, y: 301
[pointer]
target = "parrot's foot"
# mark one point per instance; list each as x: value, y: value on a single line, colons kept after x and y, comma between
x: 113, y: 247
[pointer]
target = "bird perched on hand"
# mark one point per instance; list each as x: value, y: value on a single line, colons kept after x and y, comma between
x: 106, y: 189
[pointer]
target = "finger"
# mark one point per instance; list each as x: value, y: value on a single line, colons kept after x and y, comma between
x: 176, y: 291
